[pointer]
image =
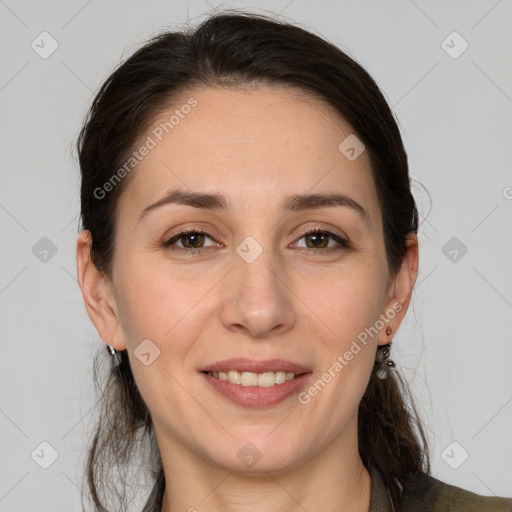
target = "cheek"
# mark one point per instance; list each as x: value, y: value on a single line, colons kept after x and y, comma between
x: 151, y: 298
x: 153, y: 307
x: 156, y: 303
x: 349, y: 311
x: 346, y: 300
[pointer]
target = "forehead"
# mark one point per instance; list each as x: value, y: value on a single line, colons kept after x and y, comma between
x: 251, y: 144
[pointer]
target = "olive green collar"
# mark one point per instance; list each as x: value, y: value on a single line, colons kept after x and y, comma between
x: 380, y: 500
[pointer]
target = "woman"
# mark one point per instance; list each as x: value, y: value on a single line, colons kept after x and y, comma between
x: 248, y: 251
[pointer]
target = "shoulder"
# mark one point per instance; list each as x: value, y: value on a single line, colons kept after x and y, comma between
x: 424, y: 492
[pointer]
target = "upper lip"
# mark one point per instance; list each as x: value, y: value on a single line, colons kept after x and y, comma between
x: 250, y: 365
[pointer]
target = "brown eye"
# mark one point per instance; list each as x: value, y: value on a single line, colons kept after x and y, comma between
x: 192, y: 240
x: 319, y: 239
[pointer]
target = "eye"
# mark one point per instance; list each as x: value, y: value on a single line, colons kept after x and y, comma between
x: 191, y: 237
x: 318, y: 238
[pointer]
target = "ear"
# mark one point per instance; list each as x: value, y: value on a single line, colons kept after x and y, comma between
x: 98, y: 294
x: 400, y: 290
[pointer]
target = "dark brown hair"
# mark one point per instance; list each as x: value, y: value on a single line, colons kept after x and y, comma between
x: 235, y: 49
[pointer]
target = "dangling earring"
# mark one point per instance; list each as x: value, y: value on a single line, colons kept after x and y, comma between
x: 382, y: 359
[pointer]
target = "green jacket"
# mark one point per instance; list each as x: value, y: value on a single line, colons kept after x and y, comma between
x: 421, y: 494
x: 425, y: 493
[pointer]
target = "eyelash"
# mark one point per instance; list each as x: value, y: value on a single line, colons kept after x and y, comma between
x: 343, y: 243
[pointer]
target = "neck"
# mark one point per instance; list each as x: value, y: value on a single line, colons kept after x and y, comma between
x: 336, y: 480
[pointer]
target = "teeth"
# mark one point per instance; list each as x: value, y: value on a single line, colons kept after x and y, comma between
x: 233, y: 377
x: 261, y: 380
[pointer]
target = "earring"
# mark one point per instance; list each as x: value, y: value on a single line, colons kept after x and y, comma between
x: 382, y: 360
x: 116, y: 359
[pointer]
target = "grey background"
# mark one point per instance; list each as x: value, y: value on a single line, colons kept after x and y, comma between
x: 455, y: 345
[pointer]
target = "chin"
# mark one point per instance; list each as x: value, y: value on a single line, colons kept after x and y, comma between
x: 258, y: 458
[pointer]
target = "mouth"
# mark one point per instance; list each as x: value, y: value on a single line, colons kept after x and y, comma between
x: 261, y: 380
x: 257, y: 384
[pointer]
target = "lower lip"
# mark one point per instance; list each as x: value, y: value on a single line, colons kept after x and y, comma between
x: 254, y: 396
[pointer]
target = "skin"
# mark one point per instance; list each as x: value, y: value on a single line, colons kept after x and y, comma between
x: 256, y: 146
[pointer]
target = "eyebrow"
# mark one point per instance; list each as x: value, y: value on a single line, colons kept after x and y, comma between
x: 293, y: 203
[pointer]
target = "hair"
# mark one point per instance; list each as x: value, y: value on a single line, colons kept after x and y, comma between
x: 237, y: 49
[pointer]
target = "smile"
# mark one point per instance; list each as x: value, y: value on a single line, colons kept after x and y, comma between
x: 261, y: 380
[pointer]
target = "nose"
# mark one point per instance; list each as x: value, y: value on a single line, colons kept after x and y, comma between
x: 258, y: 300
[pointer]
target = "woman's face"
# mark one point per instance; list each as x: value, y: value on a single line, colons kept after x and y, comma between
x: 252, y: 286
